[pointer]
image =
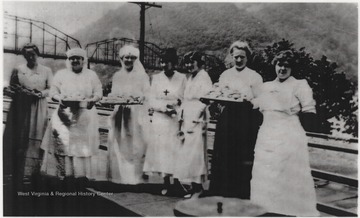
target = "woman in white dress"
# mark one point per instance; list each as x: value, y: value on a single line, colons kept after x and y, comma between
x: 126, y: 138
x: 28, y: 116
x: 72, y: 137
x: 191, y: 162
x: 282, y: 180
x: 166, y: 96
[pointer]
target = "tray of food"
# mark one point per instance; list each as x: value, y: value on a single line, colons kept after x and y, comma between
x: 11, y: 90
x: 74, y: 97
x: 121, y: 100
x: 224, y: 95
x: 75, y: 100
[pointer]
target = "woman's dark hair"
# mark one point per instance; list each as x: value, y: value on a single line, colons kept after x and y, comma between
x: 285, y: 56
x: 30, y: 46
x: 186, y: 58
x: 194, y: 56
x: 170, y: 55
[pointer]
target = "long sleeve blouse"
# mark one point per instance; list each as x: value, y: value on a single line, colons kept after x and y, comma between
x: 85, y: 84
x: 290, y: 96
x: 39, y: 78
x: 245, y: 82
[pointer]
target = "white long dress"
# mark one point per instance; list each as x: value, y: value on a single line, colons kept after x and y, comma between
x: 191, y: 157
x: 164, y: 144
x: 126, y: 138
x: 282, y: 180
x: 72, y: 137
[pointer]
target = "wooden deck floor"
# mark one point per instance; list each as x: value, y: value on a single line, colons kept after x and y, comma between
x: 153, y: 204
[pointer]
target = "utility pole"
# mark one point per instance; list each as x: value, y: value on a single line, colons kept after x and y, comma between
x: 143, y: 7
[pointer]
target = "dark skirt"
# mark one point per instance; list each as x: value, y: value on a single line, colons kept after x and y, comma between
x: 16, y: 136
x: 233, y: 154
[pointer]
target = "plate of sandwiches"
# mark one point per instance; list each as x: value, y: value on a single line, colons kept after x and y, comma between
x: 121, y: 100
x: 75, y: 100
x: 224, y: 95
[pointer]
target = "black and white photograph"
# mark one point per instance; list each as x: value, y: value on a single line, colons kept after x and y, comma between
x: 164, y: 109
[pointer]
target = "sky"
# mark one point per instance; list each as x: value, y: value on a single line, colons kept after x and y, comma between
x: 70, y: 16
x: 65, y: 16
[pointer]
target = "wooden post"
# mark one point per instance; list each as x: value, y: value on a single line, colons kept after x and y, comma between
x: 67, y: 43
x: 142, y: 32
x: 114, y: 51
x: 107, y: 50
x: 16, y: 37
x: 43, y: 38
x: 55, y: 46
x: 30, y: 31
x: 142, y: 25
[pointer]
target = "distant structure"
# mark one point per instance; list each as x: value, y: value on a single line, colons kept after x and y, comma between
x: 143, y: 7
x: 52, y: 42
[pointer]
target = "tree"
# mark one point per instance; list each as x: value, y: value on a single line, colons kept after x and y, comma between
x: 333, y: 92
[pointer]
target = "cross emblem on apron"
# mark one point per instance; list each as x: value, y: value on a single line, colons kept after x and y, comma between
x: 166, y: 92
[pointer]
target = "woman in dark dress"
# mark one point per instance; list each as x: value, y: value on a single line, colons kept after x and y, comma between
x: 236, y: 130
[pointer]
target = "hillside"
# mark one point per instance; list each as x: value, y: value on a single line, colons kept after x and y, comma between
x: 323, y: 29
x: 183, y: 25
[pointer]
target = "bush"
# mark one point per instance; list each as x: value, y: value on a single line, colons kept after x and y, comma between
x: 333, y: 92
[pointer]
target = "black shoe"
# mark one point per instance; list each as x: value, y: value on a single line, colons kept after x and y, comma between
x: 193, y: 192
x: 180, y: 192
x: 81, y: 183
x: 206, y: 193
x: 174, y: 191
x: 167, y: 186
x: 164, y: 191
x: 145, y: 177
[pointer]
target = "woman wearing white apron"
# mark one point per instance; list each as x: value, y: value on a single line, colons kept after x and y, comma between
x: 166, y: 96
x: 282, y: 180
x: 72, y: 137
x: 190, y: 165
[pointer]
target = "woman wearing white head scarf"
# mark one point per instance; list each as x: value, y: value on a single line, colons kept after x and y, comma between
x: 126, y: 138
x: 72, y: 136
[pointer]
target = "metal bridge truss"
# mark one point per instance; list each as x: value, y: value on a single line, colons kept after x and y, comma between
x: 106, y: 52
x: 52, y: 43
